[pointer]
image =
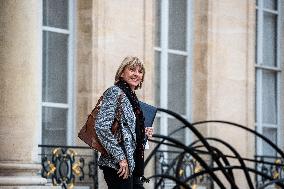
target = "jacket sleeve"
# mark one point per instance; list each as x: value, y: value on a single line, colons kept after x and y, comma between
x: 104, y: 120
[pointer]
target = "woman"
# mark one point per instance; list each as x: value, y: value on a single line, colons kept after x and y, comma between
x: 123, y: 167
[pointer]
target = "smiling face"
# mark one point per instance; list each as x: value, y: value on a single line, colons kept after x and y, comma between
x: 133, y: 75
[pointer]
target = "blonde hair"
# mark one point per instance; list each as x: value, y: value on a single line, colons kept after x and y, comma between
x: 130, y: 61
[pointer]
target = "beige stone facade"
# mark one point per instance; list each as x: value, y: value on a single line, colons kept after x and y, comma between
x: 20, y: 90
x: 223, y: 72
x: 101, y: 44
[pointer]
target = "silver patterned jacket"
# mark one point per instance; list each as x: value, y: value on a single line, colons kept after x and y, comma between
x: 103, y: 125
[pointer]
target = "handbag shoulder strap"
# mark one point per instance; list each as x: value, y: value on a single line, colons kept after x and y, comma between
x: 118, y: 110
x: 96, y: 108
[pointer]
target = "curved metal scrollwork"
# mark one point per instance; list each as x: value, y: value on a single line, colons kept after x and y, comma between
x: 202, y: 162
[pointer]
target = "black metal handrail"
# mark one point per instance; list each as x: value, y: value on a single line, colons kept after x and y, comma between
x: 222, y: 165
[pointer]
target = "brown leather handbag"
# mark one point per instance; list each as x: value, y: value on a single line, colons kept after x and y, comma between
x: 88, y: 132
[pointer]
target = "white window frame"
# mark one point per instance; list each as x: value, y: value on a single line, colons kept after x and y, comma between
x: 260, y: 67
x: 71, y: 118
x: 164, y: 50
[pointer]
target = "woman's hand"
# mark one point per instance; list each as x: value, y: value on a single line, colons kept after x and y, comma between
x: 123, y: 169
x: 149, y: 131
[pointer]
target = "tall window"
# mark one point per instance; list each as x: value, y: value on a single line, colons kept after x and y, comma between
x: 173, y: 63
x: 268, y: 70
x: 57, y: 68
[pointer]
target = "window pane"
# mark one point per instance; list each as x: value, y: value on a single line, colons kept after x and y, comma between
x: 158, y: 23
x: 177, y: 24
x: 174, y: 124
x: 256, y: 39
x: 54, y: 126
x: 256, y: 105
x: 270, y: 39
x: 269, y: 95
x: 271, y: 134
x: 270, y: 4
x: 177, y: 83
x: 54, y: 81
x: 157, y: 125
x: 157, y: 77
x: 55, y: 13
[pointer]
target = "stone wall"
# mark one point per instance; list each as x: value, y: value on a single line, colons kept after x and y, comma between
x: 20, y: 54
x: 223, y: 73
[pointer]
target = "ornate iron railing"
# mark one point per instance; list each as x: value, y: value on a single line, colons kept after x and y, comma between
x: 69, y: 166
x: 201, y: 163
x: 179, y: 165
x: 271, y: 166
